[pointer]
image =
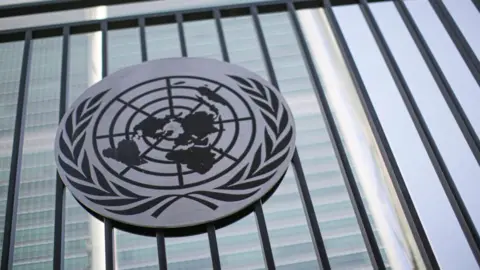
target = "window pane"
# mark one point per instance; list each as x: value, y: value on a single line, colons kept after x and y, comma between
x: 162, y: 41
x: 239, y: 245
x: 10, y: 68
x: 202, y: 40
x: 123, y: 49
x: 134, y: 251
x: 191, y: 252
x: 35, y: 209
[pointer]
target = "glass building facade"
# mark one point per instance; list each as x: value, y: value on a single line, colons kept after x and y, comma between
x: 385, y: 99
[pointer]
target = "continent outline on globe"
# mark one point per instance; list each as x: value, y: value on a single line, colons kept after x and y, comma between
x: 266, y: 163
x: 195, y: 128
x: 172, y: 113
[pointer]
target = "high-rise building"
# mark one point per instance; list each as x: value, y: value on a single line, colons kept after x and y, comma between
x: 387, y: 162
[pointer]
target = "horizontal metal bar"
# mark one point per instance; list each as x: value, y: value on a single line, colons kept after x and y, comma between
x: 16, y: 160
x: 33, y: 3
x: 383, y: 144
x: 432, y: 149
x: 39, y: 7
x: 156, y: 14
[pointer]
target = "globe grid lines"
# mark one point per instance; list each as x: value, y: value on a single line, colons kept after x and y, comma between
x: 236, y: 120
x: 200, y: 102
x: 133, y: 133
x: 170, y: 99
x: 155, y: 145
x: 128, y: 133
x: 158, y: 112
x: 172, y: 114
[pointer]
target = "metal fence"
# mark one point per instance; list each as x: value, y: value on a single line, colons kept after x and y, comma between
x: 254, y: 9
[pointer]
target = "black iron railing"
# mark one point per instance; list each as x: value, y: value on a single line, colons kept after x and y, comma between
x: 254, y: 9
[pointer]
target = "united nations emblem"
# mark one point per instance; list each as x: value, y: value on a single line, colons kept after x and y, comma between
x: 175, y: 143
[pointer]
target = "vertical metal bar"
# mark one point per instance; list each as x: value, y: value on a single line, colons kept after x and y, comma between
x: 477, y: 4
x: 212, y: 239
x: 109, y: 244
x: 263, y: 45
x: 108, y: 227
x: 221, y: 36
x: 438, y: 163
x: 104, y: 29
x: 262, y: 225
x: 348, y: 176
x: 264, y: 239
x: 64, y: 73
x: 143, y: 39
x: 457, y: 37
x: 319, y: 246
x: 442, y: 82
x: 16, y: 161
x: 445, y: 88
x: 162, y: 253
x: 380, y: 137
x: 318, y: 243
x: 58, y: 239
x: 211, y: 228
x: 181, y: 33
x: 161, y: 250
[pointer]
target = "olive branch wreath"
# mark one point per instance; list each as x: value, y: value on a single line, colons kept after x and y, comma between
x: 89, y: 180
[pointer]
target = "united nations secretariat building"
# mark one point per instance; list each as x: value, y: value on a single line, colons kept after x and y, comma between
x: 240, y: 134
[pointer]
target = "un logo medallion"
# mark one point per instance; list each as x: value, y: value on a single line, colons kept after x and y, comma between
x: 175, y: 143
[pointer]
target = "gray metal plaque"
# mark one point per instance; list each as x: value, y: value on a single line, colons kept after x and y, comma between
x: 175, y: 143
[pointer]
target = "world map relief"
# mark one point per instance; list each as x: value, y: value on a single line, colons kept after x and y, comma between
x: 188, y: 132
